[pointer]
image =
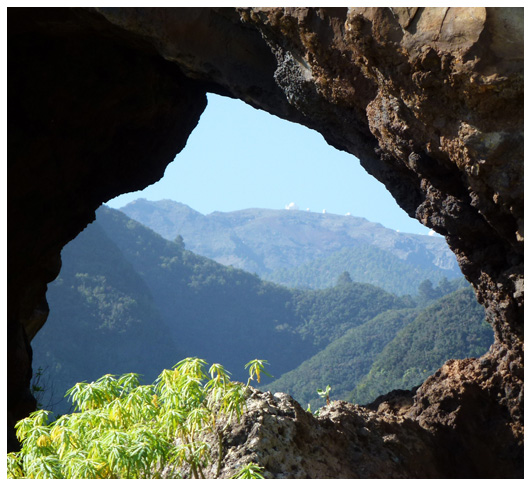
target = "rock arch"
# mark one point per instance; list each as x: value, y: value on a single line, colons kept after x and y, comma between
x: 429, y: 99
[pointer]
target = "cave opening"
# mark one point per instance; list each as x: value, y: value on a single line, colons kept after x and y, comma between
x: 227, y: 167
x: 95, y: 109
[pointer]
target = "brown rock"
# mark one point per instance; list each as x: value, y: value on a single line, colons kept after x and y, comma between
x: 343, y: 441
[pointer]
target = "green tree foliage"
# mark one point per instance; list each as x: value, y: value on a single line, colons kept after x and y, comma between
x: 179, y: 241
x: 102, y: 320
x: 397, y: 349
x: 326, y: 315
x: 427, y: 293
x: 451, y: 328
x: 124, y: 430
x: 366, y: 264
x: 344, y: 279
x: 345, y: 361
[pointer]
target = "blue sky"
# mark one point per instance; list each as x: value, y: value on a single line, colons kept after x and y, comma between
x: 239, y: 157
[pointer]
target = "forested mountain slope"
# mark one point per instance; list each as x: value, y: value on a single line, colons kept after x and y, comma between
x: 398, y: 349
x: 345, y: 361
x: 451, y: 328
x: 293, y: 247
x: 219, y: 313
x: 129, y: 300
x: 365, y: 263
x: 102, y: 320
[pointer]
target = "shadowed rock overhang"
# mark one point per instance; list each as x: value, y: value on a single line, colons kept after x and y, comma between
x: 430, y: 100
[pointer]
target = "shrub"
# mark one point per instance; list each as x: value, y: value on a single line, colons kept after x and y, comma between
x: 124, y: 430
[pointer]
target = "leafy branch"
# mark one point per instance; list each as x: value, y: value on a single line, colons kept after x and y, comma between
x: 124, y: 430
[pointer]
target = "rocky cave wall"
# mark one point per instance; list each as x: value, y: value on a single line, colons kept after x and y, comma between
x: 429, y: 99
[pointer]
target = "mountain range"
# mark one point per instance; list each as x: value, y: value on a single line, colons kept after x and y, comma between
x: 128, y: 299
x: 302, y: 248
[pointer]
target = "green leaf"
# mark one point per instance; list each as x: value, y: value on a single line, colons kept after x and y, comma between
x: 124, y: 430
x: 249, y: 471
x: 256, y: 367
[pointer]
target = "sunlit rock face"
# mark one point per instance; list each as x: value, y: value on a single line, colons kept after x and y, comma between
x: 429, y: 99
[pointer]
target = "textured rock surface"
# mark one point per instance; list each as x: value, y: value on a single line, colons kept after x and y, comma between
x: 344, y: 441
x: 395, y: 437
x: 429, y: 99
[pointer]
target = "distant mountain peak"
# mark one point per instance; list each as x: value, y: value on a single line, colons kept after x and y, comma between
x: 267, y: 240
x: 168, y: 204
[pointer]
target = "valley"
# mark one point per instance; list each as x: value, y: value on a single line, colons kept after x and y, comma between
x: 141, y: 303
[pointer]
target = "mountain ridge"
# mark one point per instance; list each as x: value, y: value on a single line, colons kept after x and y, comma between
x: 182, y: 304
x: 265, y: 241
